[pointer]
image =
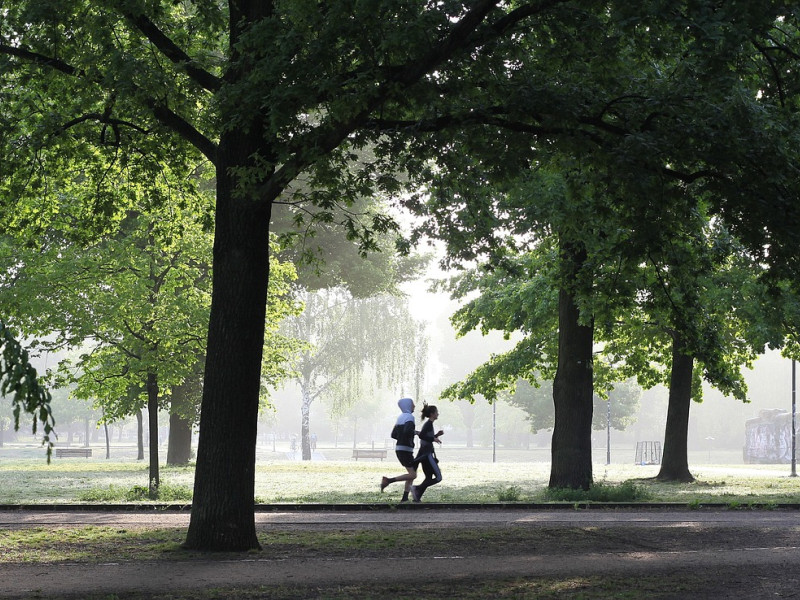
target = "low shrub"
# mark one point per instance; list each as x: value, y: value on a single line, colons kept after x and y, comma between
x: 509, y: 494
x: 626, y: 491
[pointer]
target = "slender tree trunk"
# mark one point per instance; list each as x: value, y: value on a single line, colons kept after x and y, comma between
x: 675, y: 460
x: 139, y: 435
x: 571, y: 449
x: 108, y: 441
x: 223, y: 504
x: 305, y: 413
x: 179, y: 447
x: 152, y: 427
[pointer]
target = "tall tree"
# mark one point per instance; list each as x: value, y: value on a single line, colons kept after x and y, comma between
x: 346, y: 339
x: 704, y: 312
x: 263, y: 91
x: 136, y: 301
x: 639, y: 126
x: 136, y: 304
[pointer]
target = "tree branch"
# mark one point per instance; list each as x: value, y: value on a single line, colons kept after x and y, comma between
x: 173, y: 52
x: 40, y: 59
x: 325, y: 139
x: 162, y: 113
x: 183, y: 128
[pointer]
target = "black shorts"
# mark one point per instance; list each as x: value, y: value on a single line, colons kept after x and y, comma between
x: 406, y: 458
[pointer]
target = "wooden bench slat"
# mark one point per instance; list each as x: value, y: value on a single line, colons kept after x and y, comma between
x: 368, y: 453
x: 84, y: 452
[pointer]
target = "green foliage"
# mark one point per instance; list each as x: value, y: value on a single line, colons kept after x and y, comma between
x: 167, y: 492
x: 627, y: 491
x: 509, y: 494
x: 19, y: 378
x: 350, y: 342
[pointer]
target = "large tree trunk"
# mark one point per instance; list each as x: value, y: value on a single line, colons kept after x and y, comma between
x: 223, y: 503
x: 675, y: 461
x: 152, y: 429
x: 182, y: 404
x: 571, y: 447
x: 179, y: 447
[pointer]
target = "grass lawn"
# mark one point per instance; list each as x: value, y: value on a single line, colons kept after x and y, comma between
x: 339, y: 479
x: 30, y: 480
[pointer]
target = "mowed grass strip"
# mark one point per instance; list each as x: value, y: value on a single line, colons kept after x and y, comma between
x: 98, y: 482
x: 534, y: 588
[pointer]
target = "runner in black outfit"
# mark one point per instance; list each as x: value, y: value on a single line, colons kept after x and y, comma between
x: 426, y: 455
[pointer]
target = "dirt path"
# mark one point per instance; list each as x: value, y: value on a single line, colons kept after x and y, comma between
x: 741, y: 554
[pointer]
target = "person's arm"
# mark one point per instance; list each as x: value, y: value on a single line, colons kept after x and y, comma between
x: 427, y: 432
x: 408, y: 433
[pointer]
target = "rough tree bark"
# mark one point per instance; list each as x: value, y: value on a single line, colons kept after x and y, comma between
x: 223, y: 503
x: 675, y: 460
x: 571, y: 449
x: 179, y: 447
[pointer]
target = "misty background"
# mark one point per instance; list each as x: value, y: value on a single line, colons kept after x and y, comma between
x: 476, y: 431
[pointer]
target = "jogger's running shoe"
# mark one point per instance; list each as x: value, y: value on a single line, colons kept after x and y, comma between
x: 415, y: 493
x: 384, y: 482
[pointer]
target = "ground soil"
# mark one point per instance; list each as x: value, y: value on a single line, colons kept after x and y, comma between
x: 732, y: 554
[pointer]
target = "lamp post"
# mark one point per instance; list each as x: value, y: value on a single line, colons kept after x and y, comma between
x: 794, y: 415
x: 494, y: 431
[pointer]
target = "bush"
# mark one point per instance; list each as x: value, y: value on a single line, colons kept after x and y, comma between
x: 599, y: 492
x: 510, y: 494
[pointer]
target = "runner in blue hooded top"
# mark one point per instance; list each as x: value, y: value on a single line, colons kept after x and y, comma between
x: 404, y: 432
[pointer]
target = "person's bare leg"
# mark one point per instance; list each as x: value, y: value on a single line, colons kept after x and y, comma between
x: 407, y: 477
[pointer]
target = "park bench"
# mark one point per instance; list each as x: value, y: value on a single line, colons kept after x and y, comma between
x: 368, y: 453
x: 64, y: 452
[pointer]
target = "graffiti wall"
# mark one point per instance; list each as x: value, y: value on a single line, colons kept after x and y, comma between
x: 768, y: 438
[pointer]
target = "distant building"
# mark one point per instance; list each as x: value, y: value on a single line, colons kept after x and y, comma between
x: 768, y: 437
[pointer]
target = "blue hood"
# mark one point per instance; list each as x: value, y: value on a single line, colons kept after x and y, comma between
x: 405, y: 404
x: 405, y: 416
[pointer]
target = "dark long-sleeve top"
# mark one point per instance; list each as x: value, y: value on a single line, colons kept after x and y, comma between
x: 405, y: 436
x: 426, y: 436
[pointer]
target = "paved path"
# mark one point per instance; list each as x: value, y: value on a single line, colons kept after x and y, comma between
x: 738, y: 558
x: 442, y: 517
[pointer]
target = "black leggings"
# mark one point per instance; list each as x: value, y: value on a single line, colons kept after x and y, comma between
x: 433, y: 474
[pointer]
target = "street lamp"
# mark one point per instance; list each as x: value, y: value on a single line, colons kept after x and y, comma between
x: 494, y: 430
